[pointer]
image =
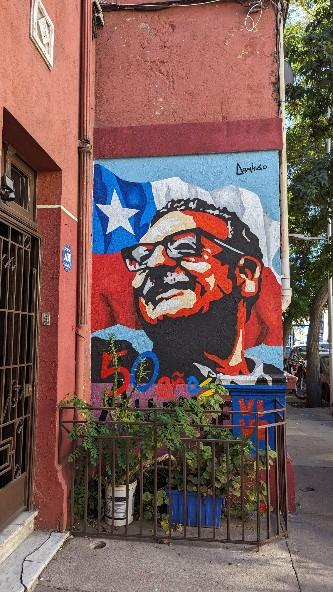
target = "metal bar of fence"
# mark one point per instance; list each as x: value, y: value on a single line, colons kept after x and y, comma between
x: 281, y: 475
x: 133, y: 536
x: 198, y: 425
x: 277, y: 478
x: 169, y: 492
x: 60, y: 435
x: 155, y: 480
x: 213, y: 489
x: 199, y: 492
x: 257, y: 481
x: 242, y: 493
x: 228, y: 489
x: 285, y: 484
x: 265, y: 412
x: 141, y: 491
x: 72, y: 498
x: 186, y: 439
x: 127, y: 488
x: 184, y: 489
x: 99, y: 485
x: 172, y: 411
x: 86, y: 491
x: 113, y: 481
x: 268, y: 485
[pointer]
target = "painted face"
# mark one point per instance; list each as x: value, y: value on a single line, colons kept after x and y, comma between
x: 179, y: 270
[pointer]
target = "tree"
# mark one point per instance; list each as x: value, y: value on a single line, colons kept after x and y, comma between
x: 309, y: 48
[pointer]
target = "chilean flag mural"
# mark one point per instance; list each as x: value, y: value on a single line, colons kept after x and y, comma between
x: 186, y: 271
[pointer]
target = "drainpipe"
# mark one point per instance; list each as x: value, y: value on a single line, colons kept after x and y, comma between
x: 285, y: 266
x: 84, y: 205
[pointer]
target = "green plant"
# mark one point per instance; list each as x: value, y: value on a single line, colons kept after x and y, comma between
x: 230, y: 472
x: 190, y: 417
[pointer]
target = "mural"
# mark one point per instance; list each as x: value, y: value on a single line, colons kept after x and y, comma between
x: 186, y: 272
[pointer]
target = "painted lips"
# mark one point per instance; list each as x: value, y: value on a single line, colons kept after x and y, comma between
x: 169, y: 294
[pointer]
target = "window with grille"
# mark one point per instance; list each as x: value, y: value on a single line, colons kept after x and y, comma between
x: 23, y: 178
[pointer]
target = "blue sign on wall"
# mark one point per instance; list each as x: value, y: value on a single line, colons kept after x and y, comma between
x: 67, y: 258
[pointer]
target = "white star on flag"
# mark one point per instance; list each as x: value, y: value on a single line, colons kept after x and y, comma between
x: 118, y: 216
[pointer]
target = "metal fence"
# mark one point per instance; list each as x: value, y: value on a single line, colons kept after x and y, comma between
x: 147, y: 479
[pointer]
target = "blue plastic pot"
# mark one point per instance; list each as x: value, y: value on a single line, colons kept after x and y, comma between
x: 192, y: 514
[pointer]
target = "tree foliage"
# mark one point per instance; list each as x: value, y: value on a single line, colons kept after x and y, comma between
x: 309, y: 50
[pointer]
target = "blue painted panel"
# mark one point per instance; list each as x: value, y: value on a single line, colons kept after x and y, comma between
x: 247, y: 404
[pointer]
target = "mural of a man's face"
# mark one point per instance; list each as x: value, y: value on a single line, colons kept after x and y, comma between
x: 182, y: 265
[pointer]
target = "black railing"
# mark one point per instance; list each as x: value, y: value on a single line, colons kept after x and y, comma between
x: 147, y: 478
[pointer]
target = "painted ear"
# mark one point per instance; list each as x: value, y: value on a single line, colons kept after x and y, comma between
x: 248, y: 273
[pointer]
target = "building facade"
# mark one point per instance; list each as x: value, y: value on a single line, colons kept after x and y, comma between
x: 41, y: 101
x: 186, y: 220
x: 185, y: 217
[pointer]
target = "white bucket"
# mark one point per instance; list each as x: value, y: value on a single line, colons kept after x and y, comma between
x: 119, y: 504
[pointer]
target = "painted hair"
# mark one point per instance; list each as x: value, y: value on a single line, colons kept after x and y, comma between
x: 240, y: 239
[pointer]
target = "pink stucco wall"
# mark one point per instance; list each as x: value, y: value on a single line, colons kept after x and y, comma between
x: 39, y: 116
x: 191, y: 64
x: 44, y: 102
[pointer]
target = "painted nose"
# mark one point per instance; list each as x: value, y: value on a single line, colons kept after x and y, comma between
x: 159, y: 257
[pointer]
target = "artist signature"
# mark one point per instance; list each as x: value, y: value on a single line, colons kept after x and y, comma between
x: 251, y: 169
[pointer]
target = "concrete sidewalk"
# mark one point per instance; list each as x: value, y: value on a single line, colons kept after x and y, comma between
x: 303, y: 562
x: 310, y: 442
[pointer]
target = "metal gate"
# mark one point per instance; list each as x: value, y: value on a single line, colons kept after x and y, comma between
x: 213, y: 484
x: 19, y: 295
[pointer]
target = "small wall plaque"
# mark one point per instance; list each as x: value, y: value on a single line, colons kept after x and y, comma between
x: 42, y: 31
x: 46, y: 318
x: 67, y: 258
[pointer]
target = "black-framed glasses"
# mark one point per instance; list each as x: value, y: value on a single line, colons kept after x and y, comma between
x: 185, y: 243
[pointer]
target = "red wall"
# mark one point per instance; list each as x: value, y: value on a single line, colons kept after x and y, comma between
x: 190, y: 65
x: 43, y: 125
x: 44, y: 102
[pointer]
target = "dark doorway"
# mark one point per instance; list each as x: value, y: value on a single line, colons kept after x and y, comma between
x: 19, y: 273
x: 19, y: 296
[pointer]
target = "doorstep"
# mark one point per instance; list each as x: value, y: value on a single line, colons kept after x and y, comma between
x: 21, y: 570
x: 15, y: 533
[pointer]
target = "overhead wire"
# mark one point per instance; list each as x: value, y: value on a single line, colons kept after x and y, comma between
x: 254, y: 7
x: 114, y: 6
